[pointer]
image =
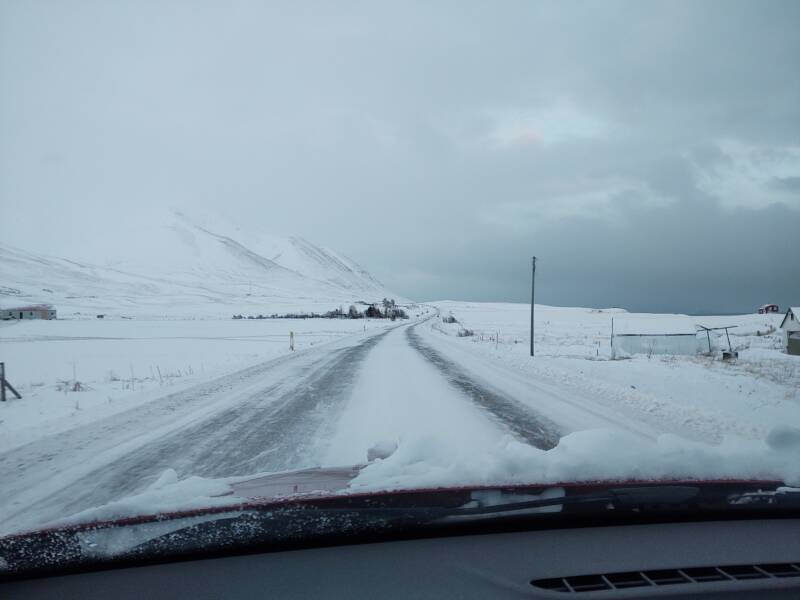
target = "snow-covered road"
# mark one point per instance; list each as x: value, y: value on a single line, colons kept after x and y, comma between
x: 323, y: 406
x: 273, y: 416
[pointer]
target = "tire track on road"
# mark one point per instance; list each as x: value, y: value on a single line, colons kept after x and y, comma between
x: 527, y: 425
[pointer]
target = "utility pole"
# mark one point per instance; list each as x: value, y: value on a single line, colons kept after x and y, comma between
x: 533, y: 281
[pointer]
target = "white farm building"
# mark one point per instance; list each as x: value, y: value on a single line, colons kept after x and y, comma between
x: 791, y: 322
x: 791, y: 327
x: 34, y: 311
x: 653, y: 334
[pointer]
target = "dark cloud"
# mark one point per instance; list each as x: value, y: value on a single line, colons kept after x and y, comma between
x: 648, y: 152
x: 662, y: 260
x: 786, y: 184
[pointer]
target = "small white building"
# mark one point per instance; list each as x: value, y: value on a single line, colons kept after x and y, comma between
x: 653, y: 334
x: 791, y: 322
x: 35, y: 311
x: 791, y: 328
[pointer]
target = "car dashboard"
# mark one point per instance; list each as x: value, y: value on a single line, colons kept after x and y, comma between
x: 709, y: 559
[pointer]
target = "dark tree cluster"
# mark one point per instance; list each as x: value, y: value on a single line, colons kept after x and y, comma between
x: 373, y: 311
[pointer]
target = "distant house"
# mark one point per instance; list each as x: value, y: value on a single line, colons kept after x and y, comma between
x: 35, y: 311
x: 653, y: 334
x: 768, y: 308
x: 791, y: 325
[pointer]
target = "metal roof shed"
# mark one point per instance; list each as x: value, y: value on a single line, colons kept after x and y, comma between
x: 653, y: 334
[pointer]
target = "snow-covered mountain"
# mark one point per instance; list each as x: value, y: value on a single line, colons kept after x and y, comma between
x: 182, y: 268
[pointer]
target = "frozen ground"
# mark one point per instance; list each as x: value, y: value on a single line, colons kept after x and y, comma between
x: 461, y: 410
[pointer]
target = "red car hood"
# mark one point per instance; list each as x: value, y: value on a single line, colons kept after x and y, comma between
x: 276, y: 509
x: 327, y: 484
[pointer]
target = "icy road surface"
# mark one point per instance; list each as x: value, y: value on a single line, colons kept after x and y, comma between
x: 326, y: 405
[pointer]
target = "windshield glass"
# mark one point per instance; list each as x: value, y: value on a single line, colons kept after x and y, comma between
x: 251, y: 252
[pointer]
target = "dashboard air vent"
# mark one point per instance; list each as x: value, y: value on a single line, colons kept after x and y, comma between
x: 630, y: 579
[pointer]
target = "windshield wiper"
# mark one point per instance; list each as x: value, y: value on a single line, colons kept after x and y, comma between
x: 650, y: 498
x: 629, y: 498
x: 645, y: 499
x: 782, y: 497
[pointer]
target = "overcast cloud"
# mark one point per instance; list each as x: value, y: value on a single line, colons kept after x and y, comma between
x: 647, y: 152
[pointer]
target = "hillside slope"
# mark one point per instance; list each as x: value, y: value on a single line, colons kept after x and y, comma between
x: 185, y: 269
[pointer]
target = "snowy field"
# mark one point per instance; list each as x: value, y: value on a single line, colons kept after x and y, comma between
x: 698, y: 397
x: 72, y: 372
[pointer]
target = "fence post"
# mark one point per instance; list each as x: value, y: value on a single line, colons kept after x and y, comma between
x: 4, y: 384
x: 613, y: 354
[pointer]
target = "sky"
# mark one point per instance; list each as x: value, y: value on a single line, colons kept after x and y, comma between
x: 648, y: 153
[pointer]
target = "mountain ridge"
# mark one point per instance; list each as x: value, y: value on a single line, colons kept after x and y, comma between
x: 189, y: 270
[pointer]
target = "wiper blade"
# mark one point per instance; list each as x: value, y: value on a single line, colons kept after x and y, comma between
x: 648, y: 499
x: 782, y: 497
x: 630, y: 498
x: 654, y: 498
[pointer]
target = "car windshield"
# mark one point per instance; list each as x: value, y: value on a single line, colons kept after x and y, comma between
x: 253, y: 253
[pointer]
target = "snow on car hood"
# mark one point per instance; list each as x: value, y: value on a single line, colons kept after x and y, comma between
x: 424, y: 462
x: 590, y: 455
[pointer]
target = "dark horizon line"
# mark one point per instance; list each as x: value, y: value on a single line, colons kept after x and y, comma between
x: 695, y: 312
